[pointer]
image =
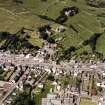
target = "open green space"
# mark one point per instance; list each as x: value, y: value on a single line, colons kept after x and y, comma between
x: 85, y: 101
x: 90, y: 20
x: 42, y: 93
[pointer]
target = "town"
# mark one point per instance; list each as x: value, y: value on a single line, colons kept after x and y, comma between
x: 52, y: 52
x: 68, y: 82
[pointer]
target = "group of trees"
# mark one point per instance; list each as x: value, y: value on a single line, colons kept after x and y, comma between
x: 1, y: 74
x: 63, y: 17
x: 44, y: 0
x: 44, y: 30
x: 15, y: 42
x: 24, y: 98
x: 18, y: 1
x: 43, y: 34
x: 92, y: 41
x: 65, y: 54
x: 78, y: 83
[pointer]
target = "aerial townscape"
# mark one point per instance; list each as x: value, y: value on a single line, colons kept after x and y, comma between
x: 52, y: 52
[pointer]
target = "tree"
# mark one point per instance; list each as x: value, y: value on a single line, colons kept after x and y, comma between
x: 69, y: 50
x: 51, y: 40
x: 1, y: 71
x: 44, y: 0
x: 18, y: 1
x: 51, y: 77
x: 44, y: 35
x: 61, y: 19
x: 86, y: 42
x: 93, y: 40
x: 78, y: 83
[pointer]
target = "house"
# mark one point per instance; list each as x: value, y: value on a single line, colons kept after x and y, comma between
x: 27, y: 56
x: 40, y: 85
x: 101, y: 84
x: 48, y: 70
x: 56, y: 99
x: 70, y: 11
x: 7, y: 66
x: 101, y: 101
x: 60, y: 29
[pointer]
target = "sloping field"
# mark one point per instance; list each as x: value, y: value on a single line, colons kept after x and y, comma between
x: 27, y: 14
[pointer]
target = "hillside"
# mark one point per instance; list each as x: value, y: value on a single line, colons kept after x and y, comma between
x: 15, y: 14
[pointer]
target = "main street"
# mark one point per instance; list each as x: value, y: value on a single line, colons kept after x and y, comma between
x: 22, y: 60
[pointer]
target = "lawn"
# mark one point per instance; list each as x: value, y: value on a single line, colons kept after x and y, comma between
x: 46, y: 88
x: 39, y: 94
x: 38, y: 98
x: 85, y: 101
x: 36, y: 42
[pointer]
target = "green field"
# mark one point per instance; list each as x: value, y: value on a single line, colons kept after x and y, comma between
x: 85, y: 101
x: 13, y: 17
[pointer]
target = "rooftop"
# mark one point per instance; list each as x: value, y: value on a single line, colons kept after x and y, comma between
x: 53, y: 99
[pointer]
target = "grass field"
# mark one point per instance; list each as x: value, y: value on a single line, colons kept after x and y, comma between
x: 85, y: 101
x: 87, y: 22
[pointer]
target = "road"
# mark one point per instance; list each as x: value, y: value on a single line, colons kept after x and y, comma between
x: 37, y: 82
x: 20, y: 59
